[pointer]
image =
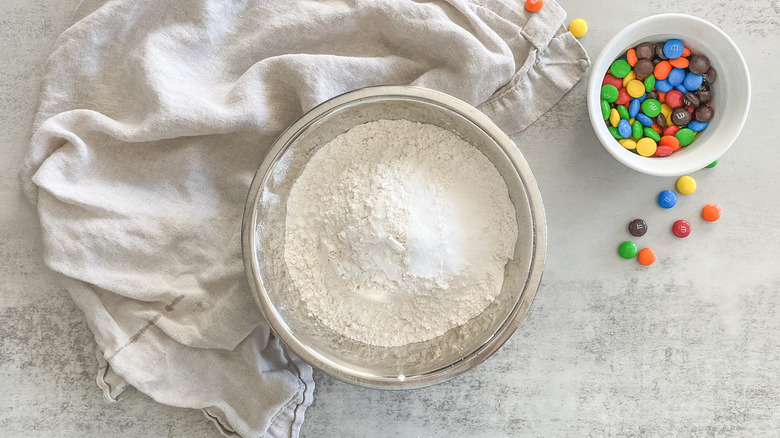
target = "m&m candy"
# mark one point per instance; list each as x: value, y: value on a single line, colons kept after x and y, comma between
x: 627, y: 250
x: 686, y: 185
x: 710, y: 212
x: 667, y: 199
x: 646, y: 256
x: 681, y: 228
x: 664, y: 87
x: 534, y: 5
x: 578, y: 27
x: 637, y: 227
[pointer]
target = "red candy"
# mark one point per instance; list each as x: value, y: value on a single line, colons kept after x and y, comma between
x: 612, y: 80
x: 671, y: 130
x: 681, y: 228
x: 623, y: 97
x: 663, y: 151
x: 674, y: 98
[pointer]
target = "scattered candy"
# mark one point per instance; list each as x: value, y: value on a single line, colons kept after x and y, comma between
x: 667, y: 199
x: 578, y: 27
x: 686, y: 185
x: 646, y: 256
x: 627, y: 250
x: 637, y: 227
x: 534, y: 5
x: 710, y: 212
x: 665, y: 88
x: 681, y: 228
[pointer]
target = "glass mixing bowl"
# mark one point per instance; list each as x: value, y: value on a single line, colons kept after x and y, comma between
x: 413, y: 365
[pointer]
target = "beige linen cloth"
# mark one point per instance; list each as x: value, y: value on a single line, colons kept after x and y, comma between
x: 153, y: 118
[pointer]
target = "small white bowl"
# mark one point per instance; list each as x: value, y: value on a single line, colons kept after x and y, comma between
x: 731, y: 91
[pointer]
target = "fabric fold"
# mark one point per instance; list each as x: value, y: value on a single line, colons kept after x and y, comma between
x: 152, y: 120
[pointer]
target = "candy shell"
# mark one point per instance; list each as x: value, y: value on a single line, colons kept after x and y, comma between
x: 646, y: 256
x: 711, y: 212
x: 686, y: 185
x: 578, y: 27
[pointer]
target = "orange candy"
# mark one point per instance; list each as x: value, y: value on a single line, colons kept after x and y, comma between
x: 534, y: 5
x: 710, y: 212
x: 679, y: 62
x: 686, y: 52
x: 661, y: 96
x: 646, y: 256
x: 631, y: 57
x: 656, y: 128
x: 662, y: 69
x: 671, y: 141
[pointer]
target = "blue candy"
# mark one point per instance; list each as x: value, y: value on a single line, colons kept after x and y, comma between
x: 697, y: 126
x: 681, y: 88
x: 644, y: 119
x: 624, y: 128
x: 641, y: 98
x: 673, y: 48
x: 667, y: 199
x: 663, y: 85
x: 693, y: 81
x: 676, y: 77
x: 634, y: 107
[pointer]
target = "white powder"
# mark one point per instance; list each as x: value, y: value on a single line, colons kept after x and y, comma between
x: 397, y: 232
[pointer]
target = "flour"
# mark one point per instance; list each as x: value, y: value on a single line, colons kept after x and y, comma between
x: 397, y: 232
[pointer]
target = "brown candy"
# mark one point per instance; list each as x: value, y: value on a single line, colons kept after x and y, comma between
x: 645, y: 50
x: 699, y: 64
x: 637, y: 227
x: 681, y: 117
x: 705, y: 96
x: 643, y: 68
x: 660, y: 120
x: 710, y: 76
x: 659, y: 51
x: 652, y: 95
x: 704, y: 113
x: 690, y: 99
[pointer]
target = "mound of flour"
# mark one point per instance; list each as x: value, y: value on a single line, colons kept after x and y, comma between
x: 398, y: 231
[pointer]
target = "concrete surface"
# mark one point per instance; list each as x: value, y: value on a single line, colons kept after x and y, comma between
x: 687, y: 347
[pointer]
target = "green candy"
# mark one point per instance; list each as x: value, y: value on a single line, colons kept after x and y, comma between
x: 650, y: 132
x: 605, y: 109
x: 623, y: 111
x: 711, y: 165
x: 649, y: 83
x: 651, y: 107
x: 627, y: 250
x: 609, y: 93
x: 620, y: 68
x: 615, y: 133
x: 685, y: 136
x: 637, y: 129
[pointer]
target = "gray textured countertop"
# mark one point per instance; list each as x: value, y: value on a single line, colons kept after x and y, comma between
x: 688, y: 347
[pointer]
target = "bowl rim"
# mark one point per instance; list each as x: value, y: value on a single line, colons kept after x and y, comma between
x: 538, y: 238
x: 614, y: 148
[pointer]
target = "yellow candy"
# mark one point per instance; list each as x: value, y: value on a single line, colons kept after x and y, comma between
x: 631, y: 121
x: 629, y: 77
x: 646, y: 146
x: 635, y: 88
x: 614, y: 117
x: 686, y: 185
x: 627, y: 143
x: 578, y: 27
x: 666, y: 110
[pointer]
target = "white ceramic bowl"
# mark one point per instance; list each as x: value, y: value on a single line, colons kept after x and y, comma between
x: 731, y: 91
